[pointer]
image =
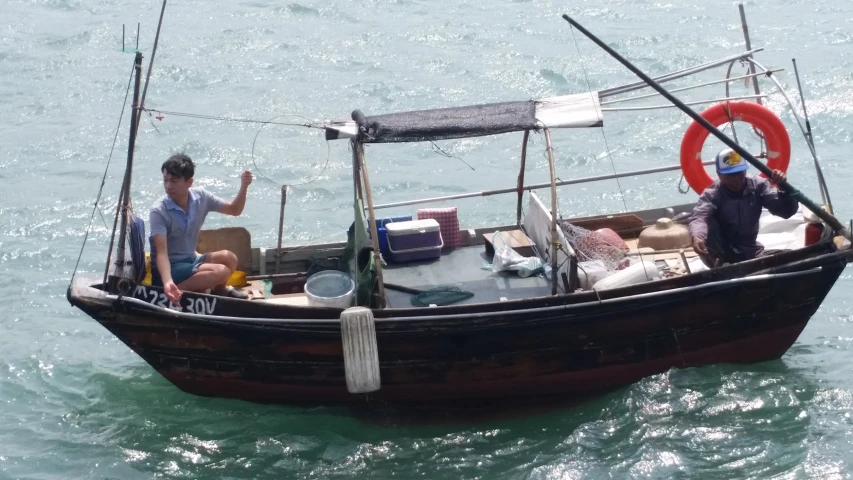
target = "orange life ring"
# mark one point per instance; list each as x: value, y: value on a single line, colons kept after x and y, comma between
x: 775, y: 134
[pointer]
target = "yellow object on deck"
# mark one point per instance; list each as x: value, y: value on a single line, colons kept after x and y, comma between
x: 237, y: 279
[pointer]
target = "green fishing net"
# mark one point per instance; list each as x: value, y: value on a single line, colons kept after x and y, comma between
x: 440, y: 296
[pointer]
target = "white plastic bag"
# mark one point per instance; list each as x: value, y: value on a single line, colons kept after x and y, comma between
x: 505, y: 257
x: 508, y: 259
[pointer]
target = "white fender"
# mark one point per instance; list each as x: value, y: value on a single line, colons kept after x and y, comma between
x: 361, y: 354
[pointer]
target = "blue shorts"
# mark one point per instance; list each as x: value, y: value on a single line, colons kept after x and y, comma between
x: 181, y: 270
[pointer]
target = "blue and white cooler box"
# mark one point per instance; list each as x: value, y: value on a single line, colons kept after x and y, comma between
x: 414, y: 240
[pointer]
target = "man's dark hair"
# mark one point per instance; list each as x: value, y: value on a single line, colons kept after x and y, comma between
x: 179, y: 165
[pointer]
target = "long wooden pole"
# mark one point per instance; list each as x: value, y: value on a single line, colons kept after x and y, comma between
x: 554, y: 242
x: 374, y: 232
x: 520, y: 186
x: 124, y: 196
x: 787, y: 187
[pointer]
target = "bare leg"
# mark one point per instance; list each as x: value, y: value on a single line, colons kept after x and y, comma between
x: 224, y: 258
x: 209, y: 275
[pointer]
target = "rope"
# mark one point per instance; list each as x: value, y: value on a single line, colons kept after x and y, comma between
x: 255, y: 140
x: 603, y: 136
x: 239, y: 120
x: 104, y: 178
x: 440, y: 296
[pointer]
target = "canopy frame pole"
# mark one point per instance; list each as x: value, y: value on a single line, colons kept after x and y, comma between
x: 697, y: 102
x: 374, y: 231
x: 555, y: 243
x: 693, y: 87
x: 676, y: 75
x: 535, y: 186
x: 520, y: 187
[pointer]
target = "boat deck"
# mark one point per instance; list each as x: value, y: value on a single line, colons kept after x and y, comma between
x: 461, y: 267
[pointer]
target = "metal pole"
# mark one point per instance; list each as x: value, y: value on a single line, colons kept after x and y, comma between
x: 675, y: 75
x: 824, y: 191
x: 124, y: 197
x: 280, y: 228
x: 374, y: 232
x: 535, y: 186
x: 789, y: 189
x: 698, y: 102
x: 520, y: 187
x: 554, y: 242
x: 748, y: 47
x: 691, y: 87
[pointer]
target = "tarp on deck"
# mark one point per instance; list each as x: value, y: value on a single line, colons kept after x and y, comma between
x: 567, y: 111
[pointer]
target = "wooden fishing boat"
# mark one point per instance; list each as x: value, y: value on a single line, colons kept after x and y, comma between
x: 541, y: 335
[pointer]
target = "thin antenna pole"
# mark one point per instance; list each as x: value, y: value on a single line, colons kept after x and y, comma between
x: 150, y: 62
x: 748, y: 47
x: 137, y: 34
x: 824, y: 191
x: 122, y: 37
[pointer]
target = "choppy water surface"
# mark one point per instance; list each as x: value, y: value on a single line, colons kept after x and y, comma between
x: 76, y: 403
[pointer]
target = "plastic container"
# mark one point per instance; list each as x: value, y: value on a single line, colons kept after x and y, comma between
x: 814, y: 231
x: 330, y: 288
x: 637, y: 273
x: 415, y: 240
x: 382, y: 232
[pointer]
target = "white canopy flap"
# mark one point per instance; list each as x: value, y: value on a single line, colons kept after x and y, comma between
x: 582, y: 110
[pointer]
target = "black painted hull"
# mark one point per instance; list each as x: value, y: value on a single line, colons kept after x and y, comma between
x: 569, y: 346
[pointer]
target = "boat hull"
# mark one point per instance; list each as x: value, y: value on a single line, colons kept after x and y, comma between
x: 571, y: 346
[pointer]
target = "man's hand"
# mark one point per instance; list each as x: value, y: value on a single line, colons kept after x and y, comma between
x: 778, y: 177
x: 246, y: 179
x: 173, y: 293
x: 699, y: 246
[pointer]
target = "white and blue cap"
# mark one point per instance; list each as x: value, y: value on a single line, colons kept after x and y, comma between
x: 729, y: 161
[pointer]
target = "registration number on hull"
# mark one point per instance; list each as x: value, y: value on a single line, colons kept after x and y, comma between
x: 201, y: 306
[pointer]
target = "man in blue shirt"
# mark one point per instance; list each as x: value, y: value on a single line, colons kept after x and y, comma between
x: 175, y: 221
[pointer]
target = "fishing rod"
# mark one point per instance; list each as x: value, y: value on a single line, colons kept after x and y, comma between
x: 788, y: 188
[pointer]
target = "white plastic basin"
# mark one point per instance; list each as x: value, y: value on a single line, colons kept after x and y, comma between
x: 330, y: 288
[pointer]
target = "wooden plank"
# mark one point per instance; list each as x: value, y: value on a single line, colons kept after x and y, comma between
x: 621, y: 224
x: 515, y: 239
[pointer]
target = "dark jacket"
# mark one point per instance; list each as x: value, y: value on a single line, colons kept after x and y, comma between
x: 737, y: 214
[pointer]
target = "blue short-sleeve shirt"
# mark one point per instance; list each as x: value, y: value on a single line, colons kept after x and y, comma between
x: 181, y: 228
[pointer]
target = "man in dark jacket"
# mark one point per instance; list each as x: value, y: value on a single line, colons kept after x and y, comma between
x: 724, y: 225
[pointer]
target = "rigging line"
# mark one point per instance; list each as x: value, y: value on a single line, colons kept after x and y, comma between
x: 603, y: 135
x: 239, y: 120
x: 261, y: 173
x: 442, y: 152
x: 104, y: 178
